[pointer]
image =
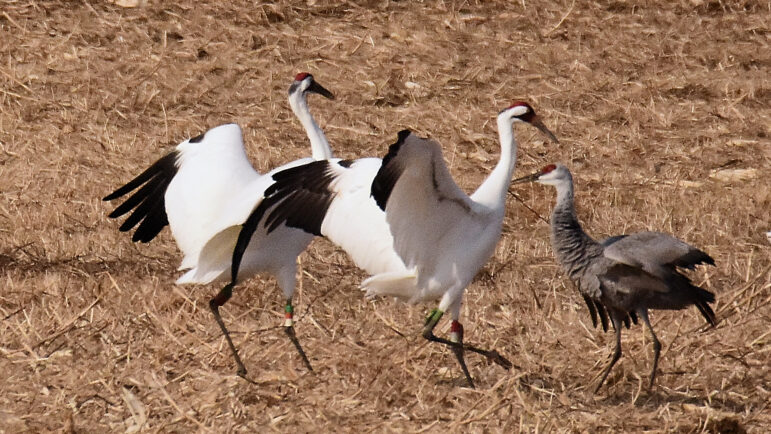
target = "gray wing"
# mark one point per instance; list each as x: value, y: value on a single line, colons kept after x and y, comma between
x: 607, y: 281
x: 655, y: 252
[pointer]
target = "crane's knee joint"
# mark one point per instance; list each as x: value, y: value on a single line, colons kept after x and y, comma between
x: 222, y: 297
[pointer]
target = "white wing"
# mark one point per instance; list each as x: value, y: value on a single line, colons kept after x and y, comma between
x: 424, y: 207
x: 212, y: 170
x: 187, y: 189
x: 214, y: 256
x: 332, y: 198
x: 355, y: 222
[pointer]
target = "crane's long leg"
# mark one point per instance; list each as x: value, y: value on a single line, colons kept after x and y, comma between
x: 656, y: 346
x: 616, y: 352
x: 289, y: 330
x: 214, y: 304
x: 457, y: 347
x: 492, y: 355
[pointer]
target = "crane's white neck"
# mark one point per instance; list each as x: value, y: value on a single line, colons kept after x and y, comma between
x: 319, y: 145
x: 492, y: 192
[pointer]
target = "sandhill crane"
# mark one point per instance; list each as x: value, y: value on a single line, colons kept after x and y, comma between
x: 442, y: 235
x: 625, y: 275
x: 206, y: 185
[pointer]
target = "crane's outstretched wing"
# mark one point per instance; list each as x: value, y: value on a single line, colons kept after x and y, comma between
x: 331, y: 198
x: 420, y: 198
x: 147, y: 203
x: 188, y: 189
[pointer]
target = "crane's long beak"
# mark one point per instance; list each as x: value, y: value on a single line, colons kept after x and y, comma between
x: 529, y: 178
x: 536, y: 122
x: 319, y: 89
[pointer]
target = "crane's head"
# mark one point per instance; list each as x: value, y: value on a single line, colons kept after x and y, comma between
x: 552, y: 174
x: 304, y: 83
x: 523, y: 112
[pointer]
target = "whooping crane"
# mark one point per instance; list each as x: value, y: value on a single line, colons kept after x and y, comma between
x: 204, y: 189
x: 442, y: 235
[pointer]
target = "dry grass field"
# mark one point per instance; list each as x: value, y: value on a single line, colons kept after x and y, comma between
x: 662, y: 109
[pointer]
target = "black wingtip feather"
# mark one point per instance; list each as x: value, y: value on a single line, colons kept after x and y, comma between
x: 702, y: 298
x: 592, y: 310
x: 603, y: 315
x: 386, y: 177
x: 148, y: 203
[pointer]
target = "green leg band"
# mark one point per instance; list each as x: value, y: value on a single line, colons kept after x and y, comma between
x: 435, y: 315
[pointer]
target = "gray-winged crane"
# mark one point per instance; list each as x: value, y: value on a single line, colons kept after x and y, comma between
x: 207, y: 185
x: 441, y: 236
x: 625, y: 275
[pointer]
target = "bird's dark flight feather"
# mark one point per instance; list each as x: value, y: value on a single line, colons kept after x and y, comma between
x: 304, y: 187
x: 389, y: 173
x: 147, y: 203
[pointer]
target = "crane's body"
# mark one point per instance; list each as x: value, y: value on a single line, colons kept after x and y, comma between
x: 419, y: 235
x: 623, y: 276
x: 204, y: 190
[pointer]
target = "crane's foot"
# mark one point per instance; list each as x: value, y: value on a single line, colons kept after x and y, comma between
x: 458, y: 350
x: 456, y: 337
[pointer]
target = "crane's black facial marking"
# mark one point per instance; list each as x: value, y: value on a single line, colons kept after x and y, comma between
x: 198, y: 138
x: 345, y: 163
x: 293, y: 87
x: 529, y: 115
x: 148, y: 203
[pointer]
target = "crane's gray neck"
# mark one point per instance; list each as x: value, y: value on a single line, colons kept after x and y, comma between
x: 573, y: 248
x: 319, y: 146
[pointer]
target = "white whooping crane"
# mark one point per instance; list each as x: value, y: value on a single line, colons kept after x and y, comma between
x: 206, y: 186
x: 441, y: 237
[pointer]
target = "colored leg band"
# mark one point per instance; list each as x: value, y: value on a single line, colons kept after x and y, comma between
x: 288, y: 315
x: 456, y: 331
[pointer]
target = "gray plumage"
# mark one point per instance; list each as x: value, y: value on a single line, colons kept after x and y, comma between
x: 623, y: 276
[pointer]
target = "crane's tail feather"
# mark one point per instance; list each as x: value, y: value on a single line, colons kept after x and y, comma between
x: 396, y: 284
x: 213, y: 262
x: 603, y: 315
x: 592, y: 311
x: 701, y: 297
x: 197, y: 276
x: 693, y: 258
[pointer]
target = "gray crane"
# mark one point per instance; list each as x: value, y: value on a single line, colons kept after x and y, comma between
x: 625, y: 275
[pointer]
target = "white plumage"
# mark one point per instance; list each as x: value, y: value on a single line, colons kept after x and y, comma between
x: 205, y: 189
x: 442, y: 235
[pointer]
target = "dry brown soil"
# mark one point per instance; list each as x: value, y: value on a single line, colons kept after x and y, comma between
x: 662, y: 108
